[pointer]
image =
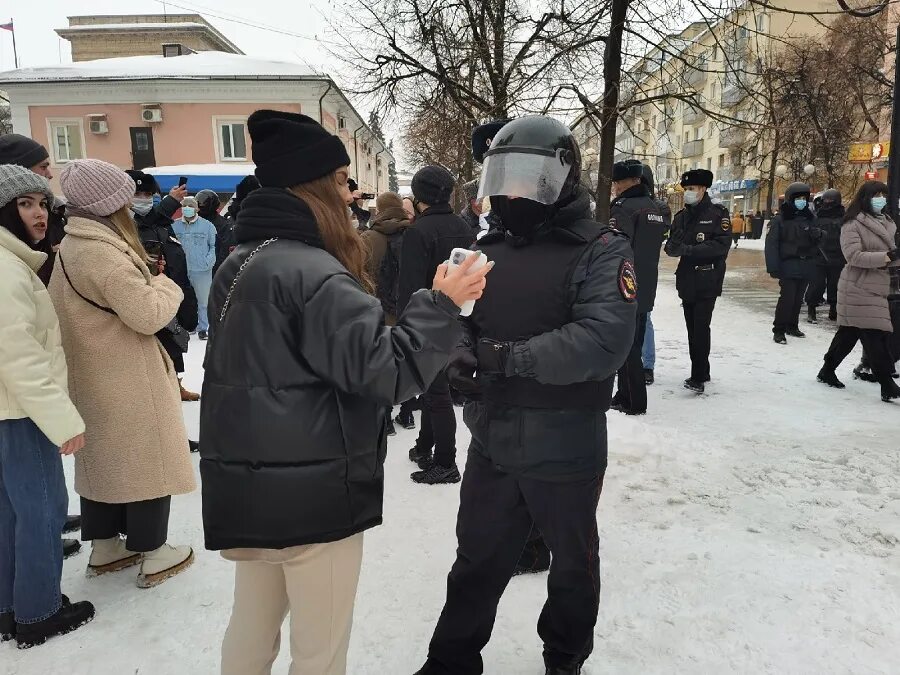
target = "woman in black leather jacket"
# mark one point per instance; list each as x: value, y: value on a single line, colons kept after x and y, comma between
x: 300, y: 371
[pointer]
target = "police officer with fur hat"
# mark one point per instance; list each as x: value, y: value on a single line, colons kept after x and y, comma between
x: 541, y: 350
x: 701, y: 237
x: 635, y: 212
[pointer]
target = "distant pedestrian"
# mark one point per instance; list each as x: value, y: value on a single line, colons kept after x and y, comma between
x: 791, y: 247
x: 757, y: 222
x: 473, y: 210
x: 247, y: 185
x: 738, y: 228
x: 198, y: 237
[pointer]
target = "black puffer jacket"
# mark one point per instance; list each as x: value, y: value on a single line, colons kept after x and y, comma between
x: 299, y: 375
x: 792, y: 243
x: 156, y: 226
x: 830, y: 219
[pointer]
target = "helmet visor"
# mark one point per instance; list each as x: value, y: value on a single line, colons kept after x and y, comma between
x: 535, y: 174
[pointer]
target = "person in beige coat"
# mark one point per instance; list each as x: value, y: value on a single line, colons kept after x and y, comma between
x: 38, y: 423
x: 110, y: 307
x: 868, y: 241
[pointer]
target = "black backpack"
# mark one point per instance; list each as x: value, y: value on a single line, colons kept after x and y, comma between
x: 388, y: 282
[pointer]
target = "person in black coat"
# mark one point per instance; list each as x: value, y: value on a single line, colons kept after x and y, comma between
x: 791, y: 250
x: 436, y: 233
x: 246, y: 185
x: 154, y: 223
x: 541, y: 349
x: 829, y: 261
x: 300, y: 372
x: 635, y: 212
x: 208, y: 207
x: 701, y: 238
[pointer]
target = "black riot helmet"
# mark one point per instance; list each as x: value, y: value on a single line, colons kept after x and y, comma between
x: 797, y: 190
x: 832, y: 195
x: 207, y: 200
x: 533, y: 158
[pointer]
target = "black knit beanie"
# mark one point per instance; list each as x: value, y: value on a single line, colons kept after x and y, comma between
x: 21, y: 150
x: 290, y: 148
x: 433, y: 185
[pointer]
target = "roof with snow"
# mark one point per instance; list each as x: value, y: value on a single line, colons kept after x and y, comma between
x: 183, y: 25
x: 199, y: 66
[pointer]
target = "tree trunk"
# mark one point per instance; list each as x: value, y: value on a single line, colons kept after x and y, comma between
x: 612, y: 75
x: 776, y: 148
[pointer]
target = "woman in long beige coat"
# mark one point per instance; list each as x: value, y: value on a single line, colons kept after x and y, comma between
x: 110, y: 306
x: 868, y: 241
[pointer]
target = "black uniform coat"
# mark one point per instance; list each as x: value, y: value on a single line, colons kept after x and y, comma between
x: 547, y: 420
x: 830, y: 219
x: 792, y: 243
x: 701, y: 237
x: 299, y: 376
x: 638, y: 215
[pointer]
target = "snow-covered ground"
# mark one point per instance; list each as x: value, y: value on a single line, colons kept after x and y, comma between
x: 752, y: 530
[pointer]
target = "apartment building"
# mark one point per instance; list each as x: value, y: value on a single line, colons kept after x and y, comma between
x: 711, y: 63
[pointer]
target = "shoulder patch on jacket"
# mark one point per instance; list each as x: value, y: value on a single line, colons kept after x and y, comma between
x: 726, y: 223
x: 627, y: 281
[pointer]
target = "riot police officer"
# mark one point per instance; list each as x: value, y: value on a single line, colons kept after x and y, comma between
x: 637, y: 214
x: 829, y: 263
x: 701, y: 237
x: 542, y: 346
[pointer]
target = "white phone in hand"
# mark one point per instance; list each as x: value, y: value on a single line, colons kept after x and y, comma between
x: 458, y: 257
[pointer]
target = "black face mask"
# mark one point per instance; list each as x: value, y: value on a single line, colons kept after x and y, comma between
x: 522, y: 217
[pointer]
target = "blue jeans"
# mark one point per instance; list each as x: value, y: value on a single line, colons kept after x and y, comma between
x: 201, y: 281
x: 33, y: 504
x: 648, y: 354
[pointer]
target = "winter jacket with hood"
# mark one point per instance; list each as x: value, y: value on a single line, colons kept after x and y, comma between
x: 33, y: 377
x: 120, y: 377
x: 792, y: 242
x: 388, y: 223
x: 299, y: 376
x: 866, y: 280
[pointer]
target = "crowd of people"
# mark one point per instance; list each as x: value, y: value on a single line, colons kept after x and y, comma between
x: 321, y: 315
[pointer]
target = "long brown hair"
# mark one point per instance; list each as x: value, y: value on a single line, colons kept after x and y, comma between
x: 126, y: 226
x: 333, y: 219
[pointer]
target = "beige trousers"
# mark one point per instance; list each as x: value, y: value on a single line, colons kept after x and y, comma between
x: 316, y: 585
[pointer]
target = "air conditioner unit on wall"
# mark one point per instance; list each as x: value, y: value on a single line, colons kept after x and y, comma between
x: 98, y: 124
x: 151, y: 112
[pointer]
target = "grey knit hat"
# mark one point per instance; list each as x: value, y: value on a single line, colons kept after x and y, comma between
x: 16, y: 181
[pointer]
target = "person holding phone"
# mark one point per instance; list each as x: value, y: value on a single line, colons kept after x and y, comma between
x: 38, y: 423
x: 198, y: 237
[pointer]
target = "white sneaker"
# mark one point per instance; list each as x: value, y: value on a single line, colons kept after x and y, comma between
x: 164, y: 563
x: 110, y: 555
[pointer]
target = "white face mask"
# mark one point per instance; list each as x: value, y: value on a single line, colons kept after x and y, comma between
x: 142, y: 206
x: 691, y: 197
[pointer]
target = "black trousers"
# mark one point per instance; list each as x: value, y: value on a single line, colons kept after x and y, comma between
x: 144, y: 524
x: 438, y: 428
x: 825, y: 279
x: 876, y: 347
x: 790, y: 302
x: 495, y: 518
x: 697, y: 318
x: 174, y: 352
x: 632, y: 386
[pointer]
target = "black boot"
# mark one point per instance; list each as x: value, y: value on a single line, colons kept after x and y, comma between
x: 407, y: 421
x: 437, y: 475
x: 535, y: 558
x: 811, y: 315
x: 193, y: 446
x: 423, y: 459
x: 391, y: 430
x: 795, y: 332
x: 827, y: 376
x: 889, y: 391
x: 73, y: 524
x: 648, y: 376
x: 832, y: 313
x: 7, y: 626
x: 71, y: 616
x: 565, y: 670
x: 70, y: 547
x: 694, y: 385
x: 864, y: 372
x: 780, y: 338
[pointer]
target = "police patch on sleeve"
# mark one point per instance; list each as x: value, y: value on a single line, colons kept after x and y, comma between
x: 726, y: 223
x: 627, y: 281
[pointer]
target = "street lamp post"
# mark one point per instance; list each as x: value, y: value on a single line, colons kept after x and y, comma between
x: 894, y: 158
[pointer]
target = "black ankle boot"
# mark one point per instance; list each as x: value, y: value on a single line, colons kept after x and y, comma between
x: 827, y: 376
x: 811, y: 315
x: 889, y: 391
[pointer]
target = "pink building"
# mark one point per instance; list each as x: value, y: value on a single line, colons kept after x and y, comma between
x: 145, y: 111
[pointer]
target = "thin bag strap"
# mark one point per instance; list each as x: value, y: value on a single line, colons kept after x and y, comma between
x: 72, y: 286
x: 237, y: 276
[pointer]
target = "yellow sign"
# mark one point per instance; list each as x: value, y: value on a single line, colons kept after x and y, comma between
x: 863, y: 153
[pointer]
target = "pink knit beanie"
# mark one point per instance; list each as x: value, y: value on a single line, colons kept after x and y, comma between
x: 95, y: 186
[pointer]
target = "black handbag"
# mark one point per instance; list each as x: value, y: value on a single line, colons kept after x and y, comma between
x: 173, y: 330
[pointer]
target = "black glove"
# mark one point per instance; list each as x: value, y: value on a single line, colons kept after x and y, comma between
x: 461, y: 371
x: 894, y: 255
x: 492, y: 357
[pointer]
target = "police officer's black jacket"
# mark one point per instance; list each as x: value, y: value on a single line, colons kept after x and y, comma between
x: 299, y: 375
x: 830, y: 219
x: 566, y: 301
x: 224, y: 235
x: 426, y: 245
x: 638, y: 215
x: 792, y: 243
x: 701, y: 237
x: 156, y: 226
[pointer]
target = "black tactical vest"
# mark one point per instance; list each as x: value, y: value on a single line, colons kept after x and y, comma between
x: 530, y: 293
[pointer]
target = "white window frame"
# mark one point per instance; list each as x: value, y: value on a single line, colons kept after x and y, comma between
x: 218, y: 123
x: 51, y: 134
